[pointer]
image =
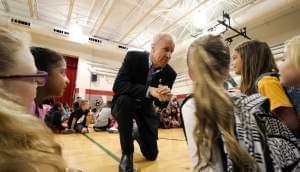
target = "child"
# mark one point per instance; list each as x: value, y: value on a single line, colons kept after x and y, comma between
x: 54, y: 118
x: 165, y: 119
x: 53, y: 63
x: 77, y: 120
x: 102, y: 118
x: 290, y: 68
x: 252, y: 59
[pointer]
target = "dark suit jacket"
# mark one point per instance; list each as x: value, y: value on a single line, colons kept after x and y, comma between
x: 132, y: 77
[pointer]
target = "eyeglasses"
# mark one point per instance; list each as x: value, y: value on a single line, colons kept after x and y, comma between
x: 40, y: 78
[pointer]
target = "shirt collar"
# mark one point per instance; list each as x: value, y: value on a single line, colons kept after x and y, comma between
x: 150, y: 64
x: 150, y: 61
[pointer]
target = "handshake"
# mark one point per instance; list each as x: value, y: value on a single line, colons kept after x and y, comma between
x: 162, y: 93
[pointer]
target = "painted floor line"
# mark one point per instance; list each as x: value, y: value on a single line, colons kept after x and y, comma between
x: 163, y: 138
x: 107, y: 151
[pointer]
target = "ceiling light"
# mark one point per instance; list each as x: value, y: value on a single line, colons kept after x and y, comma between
x: 77, y: 35
x: 199, y: 20
x: 135, y: 49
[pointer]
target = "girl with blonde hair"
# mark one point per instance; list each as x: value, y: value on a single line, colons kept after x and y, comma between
x: 18, y: 74
x: 208, y: 61
x: 290, y: 68
x: 27, y: 145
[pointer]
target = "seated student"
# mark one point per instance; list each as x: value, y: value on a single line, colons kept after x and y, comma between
x: 290, y: 71
x: 175, y: 117
x: 290, y: 68
x: 220, y: 57
x: 173, y: 110
x: 77, y: 120
x: 66, y: 107
x: 54, y: 118
x: 76, y: 105
x: 99, y: 104
x: 165, y: 119
x: 113, y: 126
x: 102, y: 118
x: 53, y: 63
x: 253, y: 59
x: 67, y: 111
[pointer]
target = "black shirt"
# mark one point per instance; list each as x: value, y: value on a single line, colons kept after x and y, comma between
x: 76, y: 106
x: 80, y: 116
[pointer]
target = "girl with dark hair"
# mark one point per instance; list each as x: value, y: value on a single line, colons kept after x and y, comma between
x: 252, y: 60
x: 53, y: 63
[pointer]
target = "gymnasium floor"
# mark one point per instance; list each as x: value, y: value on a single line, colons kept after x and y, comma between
x: 100, y: 152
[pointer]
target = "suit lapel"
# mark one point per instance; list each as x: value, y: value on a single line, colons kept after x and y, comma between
x: 144, y: 67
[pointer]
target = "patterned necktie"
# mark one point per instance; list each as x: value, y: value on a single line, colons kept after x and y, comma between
x: 150, y: 74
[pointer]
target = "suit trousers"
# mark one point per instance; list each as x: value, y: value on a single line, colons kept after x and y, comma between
x: 125, y: 109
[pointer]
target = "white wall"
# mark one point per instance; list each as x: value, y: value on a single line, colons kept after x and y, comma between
x: 184, y: 87
x: 83, y: 81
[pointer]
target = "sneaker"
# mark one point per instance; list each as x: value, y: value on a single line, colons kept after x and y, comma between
x: 112, y: 130
x: 67, y: 131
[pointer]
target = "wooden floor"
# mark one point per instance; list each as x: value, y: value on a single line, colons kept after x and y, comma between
x: 100, y: 152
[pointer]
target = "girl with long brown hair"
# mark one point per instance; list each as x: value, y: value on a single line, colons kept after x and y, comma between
x: 251, y: 60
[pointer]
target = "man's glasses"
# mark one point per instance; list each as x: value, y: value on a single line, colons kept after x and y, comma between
x: 40, y: 78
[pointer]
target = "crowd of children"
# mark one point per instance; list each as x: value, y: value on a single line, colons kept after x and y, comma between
x: 62, y: 119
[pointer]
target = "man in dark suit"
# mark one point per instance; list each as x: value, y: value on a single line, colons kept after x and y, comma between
x: 143, y: 79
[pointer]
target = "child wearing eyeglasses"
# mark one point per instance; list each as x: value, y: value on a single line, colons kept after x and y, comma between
x: 18, y: 74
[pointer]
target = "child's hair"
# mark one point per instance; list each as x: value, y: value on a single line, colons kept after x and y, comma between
x: 257, y: 58
x: 10, y: 44
x: 45, y: 59
x: 26, y: 143
x: 209, y: 59
x: 65, y: 105
x: 57, y: 106
x: 83, y: 102
x: 293, y: 51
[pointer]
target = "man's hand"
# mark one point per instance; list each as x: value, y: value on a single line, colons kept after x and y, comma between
x: 162, y: 93
x: 154, y: 92
x: 164, y: 90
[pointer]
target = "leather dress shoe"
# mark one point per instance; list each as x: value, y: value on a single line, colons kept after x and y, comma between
x: 126, y: 163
